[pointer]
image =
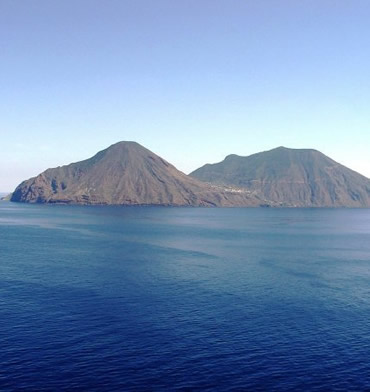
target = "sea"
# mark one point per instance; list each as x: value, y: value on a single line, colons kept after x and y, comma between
x: 104, y: 298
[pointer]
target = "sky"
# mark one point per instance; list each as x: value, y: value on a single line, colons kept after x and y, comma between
x: 191, y: 80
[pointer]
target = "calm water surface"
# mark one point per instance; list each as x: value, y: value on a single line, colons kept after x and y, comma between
x: 133, y: 299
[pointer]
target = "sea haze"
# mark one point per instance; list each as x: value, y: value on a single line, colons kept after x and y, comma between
x: 138, y: 298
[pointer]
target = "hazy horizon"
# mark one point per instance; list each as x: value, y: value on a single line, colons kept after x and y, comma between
x: 191, y: 81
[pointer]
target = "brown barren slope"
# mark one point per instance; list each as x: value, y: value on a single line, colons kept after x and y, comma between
x: 291, y: 177
x: 126, y: 174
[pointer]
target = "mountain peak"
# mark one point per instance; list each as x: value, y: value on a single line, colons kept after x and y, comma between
x: 292, y: 177
x: 124, y: 146
x: 295, y: 150
x: 125, y: 173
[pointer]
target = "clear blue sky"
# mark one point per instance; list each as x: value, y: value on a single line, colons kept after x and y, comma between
x: 192, y: 80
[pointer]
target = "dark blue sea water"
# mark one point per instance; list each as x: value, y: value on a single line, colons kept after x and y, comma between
x: 136, y: 299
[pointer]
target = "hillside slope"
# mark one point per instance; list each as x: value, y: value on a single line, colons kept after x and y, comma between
x: 291, y: 177
x: 126, y: 173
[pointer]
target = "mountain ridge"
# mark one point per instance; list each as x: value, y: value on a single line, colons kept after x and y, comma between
x: 126, y: 173
x: 291, y: 177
